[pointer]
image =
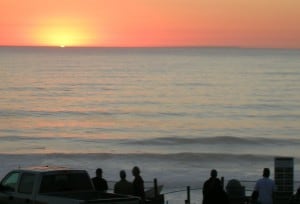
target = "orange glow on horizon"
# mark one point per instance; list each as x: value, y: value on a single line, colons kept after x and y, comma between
x: 61, y: 32
x: 132, y: 23
x: 58, y: 36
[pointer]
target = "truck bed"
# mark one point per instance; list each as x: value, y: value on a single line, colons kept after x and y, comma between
x: 95, y: 197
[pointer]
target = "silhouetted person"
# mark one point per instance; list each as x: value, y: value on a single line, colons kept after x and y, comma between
x: 123, y: 186
x: 99, y: 182
x: 213, y: 192
x: 235, y: 192
x: 138, y: 184
x: 265, y: 188
x: 295, y: 199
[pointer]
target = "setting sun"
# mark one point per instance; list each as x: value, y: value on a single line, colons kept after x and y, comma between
x: 60, y: 37
x: 62, y: 33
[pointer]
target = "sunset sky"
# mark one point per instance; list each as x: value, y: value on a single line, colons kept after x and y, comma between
x: 255, y: 23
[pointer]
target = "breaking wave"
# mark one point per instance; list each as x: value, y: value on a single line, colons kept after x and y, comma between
x: 215, y: 140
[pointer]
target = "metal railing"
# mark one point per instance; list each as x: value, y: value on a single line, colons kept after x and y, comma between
x: 247, y: 184
x: 188, y: 191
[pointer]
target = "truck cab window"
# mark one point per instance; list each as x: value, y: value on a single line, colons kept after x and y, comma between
x: 65, y: 182
x: 26, y: 183
x: 10, y: 181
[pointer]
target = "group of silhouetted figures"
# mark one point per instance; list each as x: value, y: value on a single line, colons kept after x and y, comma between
x: 124, y: 187
x: 263, y: 192
x: 213, y: 191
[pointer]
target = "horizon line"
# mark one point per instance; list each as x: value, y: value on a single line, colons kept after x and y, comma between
x: 148, y: 47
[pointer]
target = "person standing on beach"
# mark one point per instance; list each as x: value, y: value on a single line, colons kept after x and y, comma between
x: 123, y: 186
x: 99, y: 182
x: 265, y: 188
x: 213, y: 192
x: 138, y: 184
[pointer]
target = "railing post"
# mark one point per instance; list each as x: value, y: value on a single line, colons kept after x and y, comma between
x: 188, y: 191
x: 222, y: 182
x: 155, y: 188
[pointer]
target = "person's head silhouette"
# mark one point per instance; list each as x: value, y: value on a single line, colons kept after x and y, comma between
x: 266, y: 172
x: 213, y: 173
x: 122, y: 174
x: 135, y: 171
x: 99, y: 172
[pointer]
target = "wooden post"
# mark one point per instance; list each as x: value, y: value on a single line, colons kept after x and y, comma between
x: 155, y: 188
x: 188, y: 191
x: 222, y: 181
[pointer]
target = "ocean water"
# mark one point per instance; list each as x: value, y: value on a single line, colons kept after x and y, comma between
x: 174, y: 112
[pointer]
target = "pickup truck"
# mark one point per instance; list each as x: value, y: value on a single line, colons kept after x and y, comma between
x: 55, y: 185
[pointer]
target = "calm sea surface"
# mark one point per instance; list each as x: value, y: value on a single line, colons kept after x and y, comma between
x: 175, y: 112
